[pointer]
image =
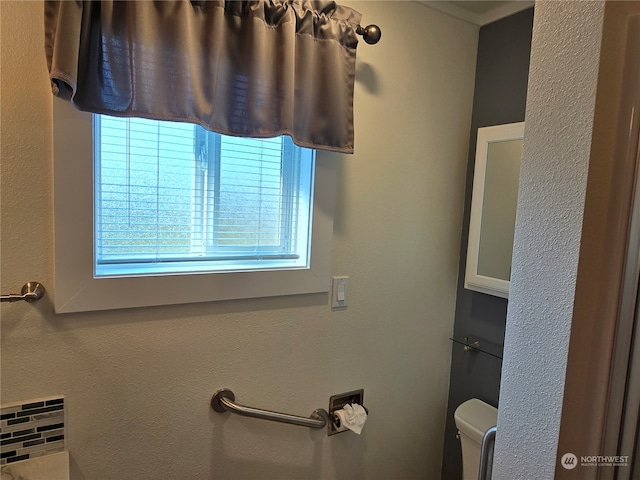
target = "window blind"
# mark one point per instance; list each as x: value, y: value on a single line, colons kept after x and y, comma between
x: 172, y: 197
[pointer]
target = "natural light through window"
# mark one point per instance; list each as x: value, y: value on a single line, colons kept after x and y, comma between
x: 173, y: 198
x: 149, y: 213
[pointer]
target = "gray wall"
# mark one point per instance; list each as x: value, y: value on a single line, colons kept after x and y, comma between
x: 500, y: 97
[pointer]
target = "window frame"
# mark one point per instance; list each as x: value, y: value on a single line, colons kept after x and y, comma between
x: 76, y: 289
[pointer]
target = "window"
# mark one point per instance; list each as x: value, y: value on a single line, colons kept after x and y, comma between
x: 173, y: 198
x: 221, y: 224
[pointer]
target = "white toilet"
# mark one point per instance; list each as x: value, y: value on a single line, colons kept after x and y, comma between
x: 473, y: 418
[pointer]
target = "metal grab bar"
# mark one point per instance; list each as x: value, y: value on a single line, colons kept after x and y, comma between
x: 488, y: 439
x: 31, y: 291
x: 223, y: 401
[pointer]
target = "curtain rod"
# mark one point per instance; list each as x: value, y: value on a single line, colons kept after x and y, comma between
x: 370, y: 34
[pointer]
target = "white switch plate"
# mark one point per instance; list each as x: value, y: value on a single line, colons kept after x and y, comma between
x: 340, y: 292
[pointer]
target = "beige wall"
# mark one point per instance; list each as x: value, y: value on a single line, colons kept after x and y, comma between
x: 138, y: 382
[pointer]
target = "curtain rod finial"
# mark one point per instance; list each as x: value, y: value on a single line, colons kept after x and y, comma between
x: 370, y: 34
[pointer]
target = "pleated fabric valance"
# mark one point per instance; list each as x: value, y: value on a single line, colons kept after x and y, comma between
x: 244, y: 68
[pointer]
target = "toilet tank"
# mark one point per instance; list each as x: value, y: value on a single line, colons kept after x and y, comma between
x: 473, y: 418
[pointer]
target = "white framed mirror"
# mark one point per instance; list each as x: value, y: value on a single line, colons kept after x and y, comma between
x: 493, y: 208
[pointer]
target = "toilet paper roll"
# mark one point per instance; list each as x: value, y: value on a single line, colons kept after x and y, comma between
x: 352, y: 416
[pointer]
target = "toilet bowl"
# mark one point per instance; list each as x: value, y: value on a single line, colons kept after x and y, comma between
x: 473, y: 418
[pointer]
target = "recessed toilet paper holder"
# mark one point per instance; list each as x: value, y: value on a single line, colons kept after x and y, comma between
x: 337, y: 402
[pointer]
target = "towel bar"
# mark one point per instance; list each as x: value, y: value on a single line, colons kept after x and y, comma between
x: 31, y: 291
x: 224, y: 401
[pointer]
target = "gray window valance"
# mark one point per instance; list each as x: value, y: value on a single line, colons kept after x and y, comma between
x: 244, y: 68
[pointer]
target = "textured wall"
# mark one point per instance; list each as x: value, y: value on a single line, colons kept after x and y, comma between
x: 137, y: 383
x: 500, y: 96
x: 560, y: 106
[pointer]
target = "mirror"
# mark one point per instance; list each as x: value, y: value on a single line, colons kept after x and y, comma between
x: 493, y: 208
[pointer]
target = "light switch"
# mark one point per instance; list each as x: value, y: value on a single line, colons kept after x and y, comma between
x: 340, y: 291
